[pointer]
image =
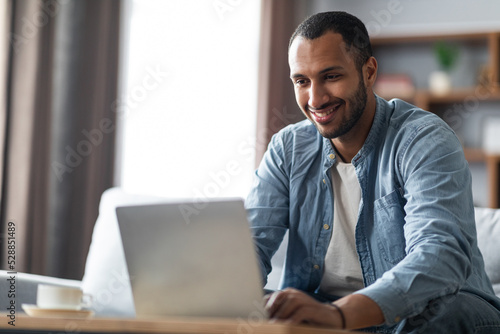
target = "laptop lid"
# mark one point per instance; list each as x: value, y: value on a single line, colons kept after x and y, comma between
x: 191, y: 259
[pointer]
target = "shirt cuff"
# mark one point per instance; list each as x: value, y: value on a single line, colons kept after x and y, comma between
x: 394, y: 304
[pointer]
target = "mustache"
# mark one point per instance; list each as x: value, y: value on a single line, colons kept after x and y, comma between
x: 324, y: 106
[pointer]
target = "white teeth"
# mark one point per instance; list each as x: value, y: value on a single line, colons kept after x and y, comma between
x: 323, y: 114
x: 328, y: 112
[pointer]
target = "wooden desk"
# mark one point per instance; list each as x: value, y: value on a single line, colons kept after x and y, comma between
x: 25, y: 324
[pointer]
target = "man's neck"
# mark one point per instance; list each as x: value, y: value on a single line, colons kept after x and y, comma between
x: 349, y: 145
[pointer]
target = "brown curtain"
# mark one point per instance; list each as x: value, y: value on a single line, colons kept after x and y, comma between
x: 276, y: 102
x: 5, y: 11
x: 59, y: 130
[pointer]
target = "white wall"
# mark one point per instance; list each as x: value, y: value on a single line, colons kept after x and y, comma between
x: 387, y: 17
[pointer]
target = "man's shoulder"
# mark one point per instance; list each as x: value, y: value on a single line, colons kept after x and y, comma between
x: 408, y: 117
x: 410, y: 127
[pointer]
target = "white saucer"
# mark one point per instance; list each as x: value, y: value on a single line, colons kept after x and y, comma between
x: 35, y: 311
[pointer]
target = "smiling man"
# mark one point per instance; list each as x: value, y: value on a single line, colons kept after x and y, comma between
x: 376, y: 196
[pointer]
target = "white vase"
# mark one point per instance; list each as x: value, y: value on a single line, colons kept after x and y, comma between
x: 439, y: 83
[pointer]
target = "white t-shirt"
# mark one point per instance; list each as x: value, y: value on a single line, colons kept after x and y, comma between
x: 342, y: 274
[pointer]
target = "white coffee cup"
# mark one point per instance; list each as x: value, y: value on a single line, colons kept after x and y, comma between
x: 61, y: 298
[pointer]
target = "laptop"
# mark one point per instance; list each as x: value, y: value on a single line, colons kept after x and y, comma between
x: 191, y: 259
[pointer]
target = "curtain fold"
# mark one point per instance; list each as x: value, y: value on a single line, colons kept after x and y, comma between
x: 5, y: 11
x: 24, y: 169
x: 60, y: 129
x: 276, y: 105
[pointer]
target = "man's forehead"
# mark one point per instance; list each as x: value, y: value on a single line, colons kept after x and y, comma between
x: 329, y: 49
x: 328, y: 39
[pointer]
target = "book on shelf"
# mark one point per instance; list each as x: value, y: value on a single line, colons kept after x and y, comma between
x: 395, y: 86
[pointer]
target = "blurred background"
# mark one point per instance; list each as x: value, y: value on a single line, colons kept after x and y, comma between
x: 180, y: 98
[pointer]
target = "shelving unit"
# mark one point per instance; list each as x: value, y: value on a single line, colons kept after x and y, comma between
x: 492, y: 39
x: 488, y: 92
x: 493, y: 168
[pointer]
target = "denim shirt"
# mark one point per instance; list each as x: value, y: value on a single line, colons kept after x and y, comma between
x: 415, y: 235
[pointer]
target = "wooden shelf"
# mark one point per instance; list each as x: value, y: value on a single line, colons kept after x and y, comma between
x: 493, y: 170
x: 474, y: 154
x: 479, y: 155
x: 427, y: 38
x: 461, y: 94
x: 425, y: 99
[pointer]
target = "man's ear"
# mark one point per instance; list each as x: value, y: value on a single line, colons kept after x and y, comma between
x: 370, y: 71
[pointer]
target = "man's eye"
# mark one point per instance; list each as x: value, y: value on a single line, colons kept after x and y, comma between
x: 332, y: 76
x: 300, y: 82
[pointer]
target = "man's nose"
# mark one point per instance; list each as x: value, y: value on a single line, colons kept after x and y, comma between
x: 318, y: 96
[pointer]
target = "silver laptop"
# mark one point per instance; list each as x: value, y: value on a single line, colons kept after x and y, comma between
x: 191, y: 259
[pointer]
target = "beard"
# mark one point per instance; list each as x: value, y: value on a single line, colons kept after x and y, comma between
x: 357, y: 101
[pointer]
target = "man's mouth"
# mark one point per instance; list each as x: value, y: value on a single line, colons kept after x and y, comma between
x: 324, y: 115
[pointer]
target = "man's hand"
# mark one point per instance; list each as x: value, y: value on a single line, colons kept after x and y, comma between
x: 297, y: 307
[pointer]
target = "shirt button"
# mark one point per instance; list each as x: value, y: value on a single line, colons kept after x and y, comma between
x: 324, y: 181
x: 326, y: 226
x: 316, y: 267
x: 332, y: 156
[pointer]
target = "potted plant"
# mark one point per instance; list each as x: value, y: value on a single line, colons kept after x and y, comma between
x: 446, y: 54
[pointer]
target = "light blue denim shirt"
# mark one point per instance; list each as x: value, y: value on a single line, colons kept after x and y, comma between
x: 415, y: 236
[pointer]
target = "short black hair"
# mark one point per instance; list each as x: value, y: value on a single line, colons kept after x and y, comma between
x: 352, y: 30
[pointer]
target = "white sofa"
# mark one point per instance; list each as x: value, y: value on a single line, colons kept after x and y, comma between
x: 106, y: 277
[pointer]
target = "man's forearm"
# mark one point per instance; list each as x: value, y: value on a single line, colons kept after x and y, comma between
x: 360, y: 311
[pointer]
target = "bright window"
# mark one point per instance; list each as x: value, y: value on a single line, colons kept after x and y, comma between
x: 188, y: 102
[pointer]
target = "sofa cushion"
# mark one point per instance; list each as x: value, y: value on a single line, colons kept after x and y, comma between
x: 488, y: 238
x: 106, y: 276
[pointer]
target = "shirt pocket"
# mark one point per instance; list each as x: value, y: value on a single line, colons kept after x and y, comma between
x: 389, y: 220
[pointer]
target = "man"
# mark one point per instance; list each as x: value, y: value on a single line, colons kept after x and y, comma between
x: 376, y: 197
